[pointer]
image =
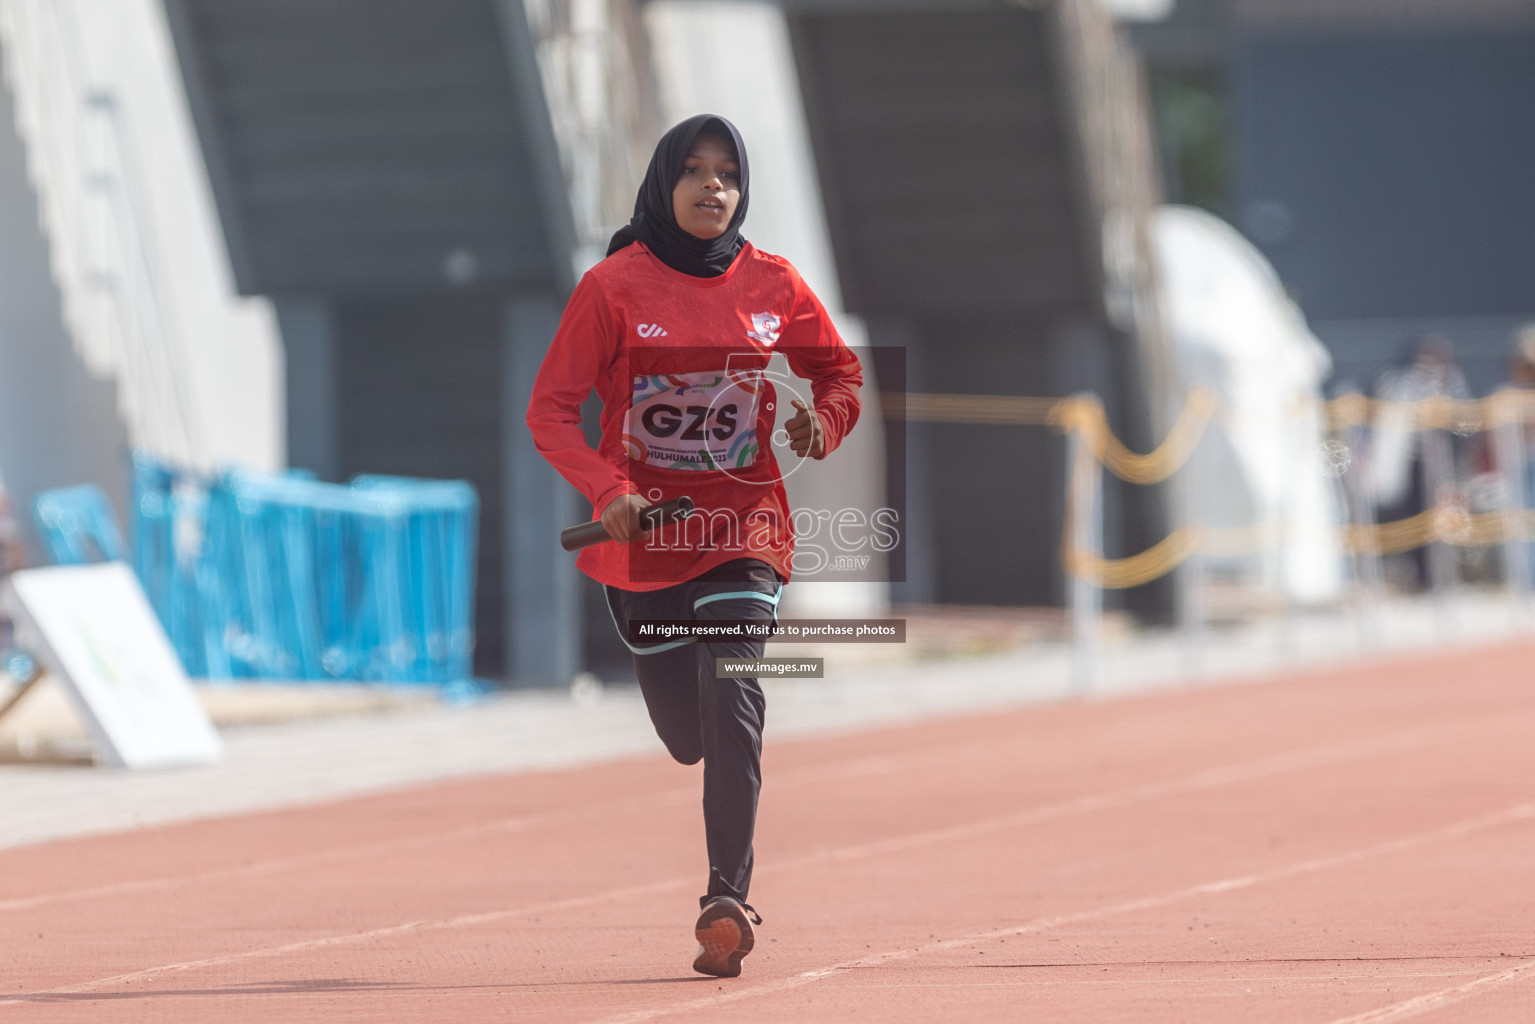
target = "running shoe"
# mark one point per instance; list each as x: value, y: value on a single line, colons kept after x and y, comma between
x: 724, y: 933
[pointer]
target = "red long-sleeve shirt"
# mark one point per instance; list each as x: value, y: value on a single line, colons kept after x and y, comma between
x: 689, y: 405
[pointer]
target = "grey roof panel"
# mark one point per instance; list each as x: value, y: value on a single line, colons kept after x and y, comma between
x: 357, y: 143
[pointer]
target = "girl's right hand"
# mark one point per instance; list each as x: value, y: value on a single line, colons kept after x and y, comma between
x: 622, y: 518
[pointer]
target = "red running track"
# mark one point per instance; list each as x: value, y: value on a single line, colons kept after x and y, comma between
x: 1339, y: 848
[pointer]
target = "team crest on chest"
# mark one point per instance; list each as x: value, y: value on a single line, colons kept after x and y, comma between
x: 765, y: 328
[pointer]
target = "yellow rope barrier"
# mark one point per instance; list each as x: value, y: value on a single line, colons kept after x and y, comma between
x: 1065, y: 414
x: 1004, y: 410
x: 1508, y: 405
x: 1447, y: 525
x: 1121, y: 573
x: 1085, y: 416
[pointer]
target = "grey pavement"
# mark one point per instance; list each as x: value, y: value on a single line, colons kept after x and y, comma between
x: 320, y: 759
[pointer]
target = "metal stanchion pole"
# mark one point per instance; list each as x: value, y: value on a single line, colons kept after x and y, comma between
x: 1437, y: 478
x: 1191, y: 591
x: 1509, y: 453
x: 1366, y: 558
x: 1083, y: 481
x: 1284, y: 635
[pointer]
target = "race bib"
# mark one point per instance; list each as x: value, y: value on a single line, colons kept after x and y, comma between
x: 703, y: 421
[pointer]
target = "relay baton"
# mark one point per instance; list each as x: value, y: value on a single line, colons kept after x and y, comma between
x: 573, y: 538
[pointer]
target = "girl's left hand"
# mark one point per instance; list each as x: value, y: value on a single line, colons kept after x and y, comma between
x: 806, y: 435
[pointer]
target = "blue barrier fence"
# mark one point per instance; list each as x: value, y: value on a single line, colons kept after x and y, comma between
x: 282, y: 577
x: 78, y: 527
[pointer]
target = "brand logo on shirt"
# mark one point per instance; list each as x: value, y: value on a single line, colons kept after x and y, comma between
x: 765, y: 327
x: 651, y: 331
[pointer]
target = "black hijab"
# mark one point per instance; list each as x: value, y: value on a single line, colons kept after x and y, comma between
x: 655, y: 224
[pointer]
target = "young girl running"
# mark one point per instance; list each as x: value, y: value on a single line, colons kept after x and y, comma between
x: 674, y: 330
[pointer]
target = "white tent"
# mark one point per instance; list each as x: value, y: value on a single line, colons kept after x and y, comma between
x: 1234, y: 331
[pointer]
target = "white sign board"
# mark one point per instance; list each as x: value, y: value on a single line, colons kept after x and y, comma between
x: 93, y: 628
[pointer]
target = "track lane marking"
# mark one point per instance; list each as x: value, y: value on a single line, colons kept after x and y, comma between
x: 677, y: 796
x: 1519, y: 812
x: 308, y: 945
x: 819, y: 774
x: 1434, y: 1000
x: 1198, y: 781
x: 1277, y: 764
x: 647, y: 802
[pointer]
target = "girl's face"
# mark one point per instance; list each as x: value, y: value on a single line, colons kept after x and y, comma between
x: 709, y: 189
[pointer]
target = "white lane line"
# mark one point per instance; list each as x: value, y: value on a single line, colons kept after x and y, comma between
x: 1434, y: 1000
x: 1519, y: 812
x: 1228, y: 775
x: 852, y: 768
x: 359, y: 852
x: 309, y: 945
x: 1279, y: 764
x: 860, y: 767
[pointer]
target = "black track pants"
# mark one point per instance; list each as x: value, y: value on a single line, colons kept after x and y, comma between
x: 699, y: 716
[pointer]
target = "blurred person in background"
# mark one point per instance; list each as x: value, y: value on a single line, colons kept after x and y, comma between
x: 1494, y: 484
x: 1407, y: 463
x: 674, y: 330
x: 1521, y: 362
x: 1521, y: 375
